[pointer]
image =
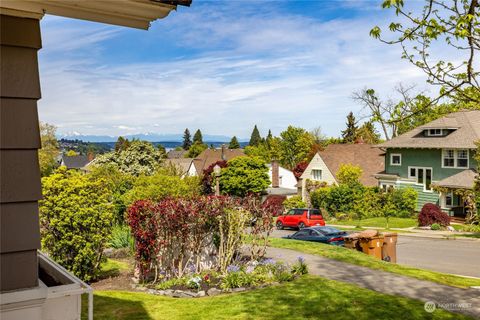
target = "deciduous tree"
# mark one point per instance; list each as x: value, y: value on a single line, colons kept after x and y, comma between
x: 47, y: 155
x: 244, y: 175
x: 456, y: 24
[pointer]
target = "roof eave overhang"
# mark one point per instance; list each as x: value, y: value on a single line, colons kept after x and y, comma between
x: 129, y: 13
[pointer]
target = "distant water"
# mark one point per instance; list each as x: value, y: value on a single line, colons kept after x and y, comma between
x: 170, y: 145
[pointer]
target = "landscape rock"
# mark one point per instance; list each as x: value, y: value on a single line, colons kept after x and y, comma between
x: 450, y: 228
x: 239, y: 289
x: 200, y: 294
x: 213, y: 291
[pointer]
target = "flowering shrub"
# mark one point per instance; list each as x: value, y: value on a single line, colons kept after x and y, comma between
x: 431, y: 214
x: 300, y: 267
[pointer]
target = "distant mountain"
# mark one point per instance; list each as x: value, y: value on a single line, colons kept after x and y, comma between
x: 152, y: 137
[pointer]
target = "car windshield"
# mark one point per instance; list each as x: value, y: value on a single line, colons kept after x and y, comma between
x: 327, y: 230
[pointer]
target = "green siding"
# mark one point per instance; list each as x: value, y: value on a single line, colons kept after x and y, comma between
x: 423, y: 197
x: 423, y: 158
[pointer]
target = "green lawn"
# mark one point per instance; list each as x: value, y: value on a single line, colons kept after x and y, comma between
x: 306, y: 298
x: 378, y: 222
x: 359, y: 258
x: 112, y: 268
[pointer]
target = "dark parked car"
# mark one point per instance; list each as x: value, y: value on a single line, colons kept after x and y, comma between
x: 327, y: 235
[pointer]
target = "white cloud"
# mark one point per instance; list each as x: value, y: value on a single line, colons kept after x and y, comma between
x: 270, y: 69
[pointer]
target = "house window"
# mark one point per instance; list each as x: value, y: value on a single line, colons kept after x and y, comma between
x: 462, y: 158
x: 455, y: 158
x: 395, y: 159
x: 449, y: 199
x: 317, y: 174
x: 435, y: 132
x: 449, y: 158
x: 412, y: 172
x: 422, y: 175
x: 385, y: 186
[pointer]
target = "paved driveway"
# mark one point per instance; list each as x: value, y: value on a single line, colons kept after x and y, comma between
x: 460, y: 257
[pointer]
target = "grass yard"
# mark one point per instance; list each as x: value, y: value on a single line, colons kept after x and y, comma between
x: 378, y: 222
x: 306, y: 298
x: 361, y: 259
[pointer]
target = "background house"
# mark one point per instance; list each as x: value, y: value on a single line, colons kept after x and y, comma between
x: 183, y: 165
x: 283, y: 181
x: 210, y: 156
x: 441, y: 153
x: 325, y: 164
x: 78, y: 162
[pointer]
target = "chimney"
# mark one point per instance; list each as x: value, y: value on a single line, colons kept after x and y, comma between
x: 224, y: 155
x: 275, y: 174
x: 90, y: 156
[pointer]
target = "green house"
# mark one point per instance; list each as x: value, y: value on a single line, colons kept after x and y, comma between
x: 440, y: 153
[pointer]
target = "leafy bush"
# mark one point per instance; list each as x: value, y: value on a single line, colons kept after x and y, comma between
x: 294, y: 202
x: 244, y: 175
x: 276, y: 203
x: 431, y: 214
x: 160, y: 186
x: 435, y: 226
x: 349, y: 174
x: 75, y: 220
x: 358, y: 202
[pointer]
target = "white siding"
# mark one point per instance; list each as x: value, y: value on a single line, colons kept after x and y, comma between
x: 287, y: 178
x: 317, y: 163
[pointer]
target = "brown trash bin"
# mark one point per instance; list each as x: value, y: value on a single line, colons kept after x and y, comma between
x: 372, y: 246
x: 352, y: 242
x: 389, y: 252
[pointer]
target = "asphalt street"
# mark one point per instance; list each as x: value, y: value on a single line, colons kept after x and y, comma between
x: 461, y: 257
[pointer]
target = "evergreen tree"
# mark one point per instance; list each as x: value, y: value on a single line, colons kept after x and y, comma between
x: 234, y: 143
x: 197, y: 137
x: 187, y: 140
x: 368, y: 133
x: 350, y: 133
x: 255, y: 138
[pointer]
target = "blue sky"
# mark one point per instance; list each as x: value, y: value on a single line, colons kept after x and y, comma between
x: 221, y: 66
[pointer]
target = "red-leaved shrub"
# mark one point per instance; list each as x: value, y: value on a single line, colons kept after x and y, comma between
x: 176, y: 235
x: 274, y: 203
x: 431, y: 214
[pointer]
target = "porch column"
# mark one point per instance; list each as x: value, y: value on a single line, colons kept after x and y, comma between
x: 20, y: 187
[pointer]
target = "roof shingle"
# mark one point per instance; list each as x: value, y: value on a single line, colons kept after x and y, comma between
x: 467, y: 130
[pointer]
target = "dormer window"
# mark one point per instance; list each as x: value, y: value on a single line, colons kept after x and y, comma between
x: 434, y: 132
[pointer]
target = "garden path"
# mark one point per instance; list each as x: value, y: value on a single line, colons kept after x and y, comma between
x: 466, y: 301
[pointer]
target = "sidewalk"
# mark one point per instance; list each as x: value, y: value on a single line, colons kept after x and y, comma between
x: 412, y: 232
x: 385, y: 282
